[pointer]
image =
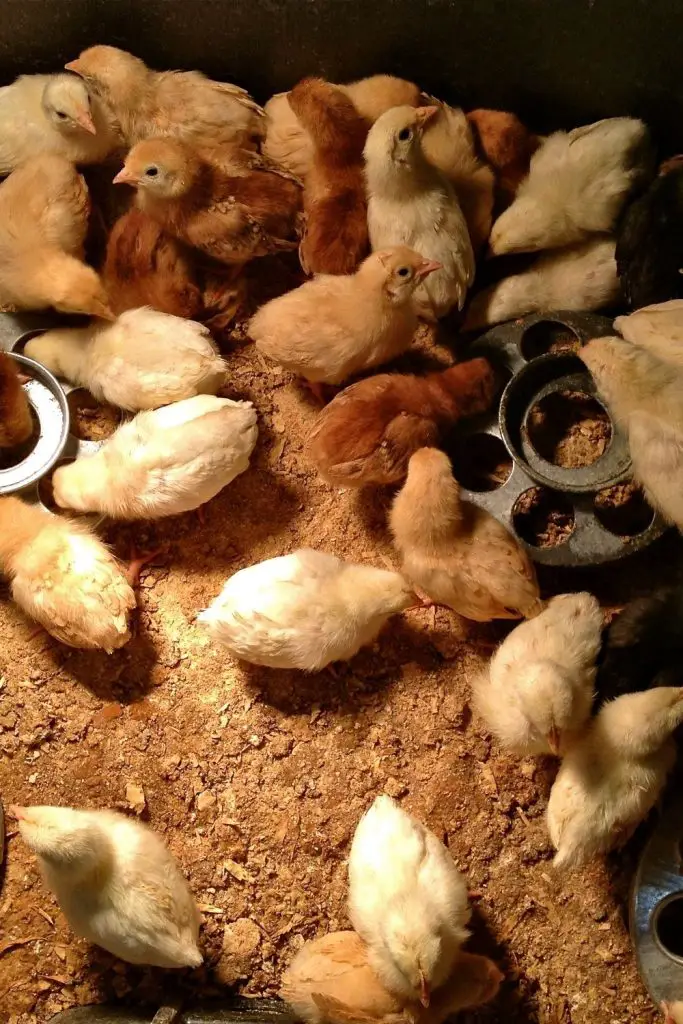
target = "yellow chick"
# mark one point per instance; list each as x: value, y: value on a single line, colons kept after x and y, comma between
x: 657, y: 457
x: 182, y: 104
x: 143, y: 360
x: 457, y: 553
x: 407, y: 901
x: 339, y: 324
x: 658, y: 329
x: 612, y: 777
x: 63, y: 577
x: 411, y: 202
x: 581, y: 277
x: 673, y: 1012
x: 116, y: 882
x: 304, y: 610
x: 577, y: 185
x: 537, y: 692
x: 330, y: 980
x: 53, y: 114
x: 44, y: 208
x: 163, y: 462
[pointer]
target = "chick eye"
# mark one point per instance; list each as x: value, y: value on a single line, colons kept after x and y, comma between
x: 405, y: 134
x: 61, y: 115
x: 151, y: 172
x: 403, y: 271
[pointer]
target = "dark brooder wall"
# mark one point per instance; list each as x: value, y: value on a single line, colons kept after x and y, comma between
x: 556, y: 62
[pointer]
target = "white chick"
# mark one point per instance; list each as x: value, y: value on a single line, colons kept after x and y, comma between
x: 64, y: 577
x: 577, y: 185
x: 117, y: 883
x: 163, y: 462
x: 53, y: 114
x: 304, y: 610
x: 537, y: 691
x: 673, y: 1012
x: 612, y: 777
x: 407, y: 901
x: 581, y: 277
x: 411, y: 202
x: 657, y: 458
x: 143, y: 360
x: 658, y: 328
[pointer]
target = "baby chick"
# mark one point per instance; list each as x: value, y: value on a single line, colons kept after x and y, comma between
x: 657, y: 457
x: 367, y: 433
x: 330, y: 980
x: 580, y: 277
x: 612, y: 777
x: 304, y: 610
x: 643, y: 643
x: 44, y: 209
x: 336, y: 234
x: 536, y: 694
x: 407, y: 901
x: 650, y: 241
x: 143, y: 360
x: 232, y: 217
x: 410, y: 202
x: 163, y: 462
x: 16, y: 424
x: 507, y: 145
x: 673, y: 1012
x: 53, y: 114
x: 116, y: 882
x: 456, y: 552
x: 657, y: 328
x: 180, y: 104
x: 337, y: 325
x: 577, y: 185
x: 64, y: 577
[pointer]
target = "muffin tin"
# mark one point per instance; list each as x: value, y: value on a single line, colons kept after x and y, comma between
x: 54, y: 440
x: 516, y: 349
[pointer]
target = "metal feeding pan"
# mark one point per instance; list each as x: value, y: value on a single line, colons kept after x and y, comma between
x: 587, y: 525
x: 233, y: 1010
x: 53, y: 440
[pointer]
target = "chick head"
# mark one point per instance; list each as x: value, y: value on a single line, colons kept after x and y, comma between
x: 79, y: 289
x: 413, y: 958
x: 66, y: 104
x: 379, y: 591
x: 75, y: 485
x: 106, y: 68
x: 549, y: 708
x: 164, y: 168
x: 66, y: 838
x: 430, y: 475
x: 400, y: 270
x: 523, y: 227
x: 611, y: 364
x: 396, y: 136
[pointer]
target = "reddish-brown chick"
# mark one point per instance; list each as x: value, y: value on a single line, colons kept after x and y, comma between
x: 16, y: 424
x: 507, y: 145
x: 367, y: 434
x: 336, y: 235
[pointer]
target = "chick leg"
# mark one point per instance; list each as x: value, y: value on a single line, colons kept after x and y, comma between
x: 137, y: 564
x: 317, y: 390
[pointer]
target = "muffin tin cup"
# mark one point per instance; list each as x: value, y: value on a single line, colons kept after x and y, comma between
x: 532, y: 377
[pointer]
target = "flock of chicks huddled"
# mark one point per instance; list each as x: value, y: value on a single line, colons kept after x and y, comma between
x: 389, y: 197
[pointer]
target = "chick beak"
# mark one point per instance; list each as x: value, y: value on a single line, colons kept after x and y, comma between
x: 17, y: 812
x: 86, y: 122
x: 73, y: 65
x: 553, y: 738
x: 428, y: 267
x: 125, y: 177
x: 425, y: 114
x: 424, y: 991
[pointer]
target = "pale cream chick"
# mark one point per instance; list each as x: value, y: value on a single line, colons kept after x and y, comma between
x: 577, y: 185
x: 330, y: 980
x: 44, y: 208
x: 581, y: 277
x: 162, y: 462
x: 612, y: 777
x: 62, y: 576
x: 658, y: 329
x: 339, y: 324
x: 673, y: 1012
x: 116, y: 882
x: 304, y: 610
x: 143, y: 360
x: 411, y: 202
x: 457, y: 553
x: 657, y: 457
x: 407, y: 901
x: 182, y: 104
x: 536, y: 694
x: 53, y: 114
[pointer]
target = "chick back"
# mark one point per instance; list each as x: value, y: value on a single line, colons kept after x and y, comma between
x: 16, y: 423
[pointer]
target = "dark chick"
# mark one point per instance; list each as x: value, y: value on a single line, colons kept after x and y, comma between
x: 15, y: 412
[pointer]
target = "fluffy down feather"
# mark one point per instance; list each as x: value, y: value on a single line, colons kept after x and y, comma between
x: 304, y: 610
x: 143, y: 360
x: 537, y: 691
x: 658, y: 329
x: 657, y: 457
x: 116, y: 882
x: 407, y: 901
x: 163, y: 462
x: 16, y: 424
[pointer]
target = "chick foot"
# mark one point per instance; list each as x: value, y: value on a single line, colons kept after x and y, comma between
x: 137, y: 564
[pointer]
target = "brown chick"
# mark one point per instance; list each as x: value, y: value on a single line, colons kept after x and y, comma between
x: 330, y: 981
x: 456, y: 552
x: 507, y: 145
x: 44, y: 207
x: 367, y: 434
x: 182, y: 104
x: 232, y: 217
x: 336, y: 236
x: 16, y: 424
